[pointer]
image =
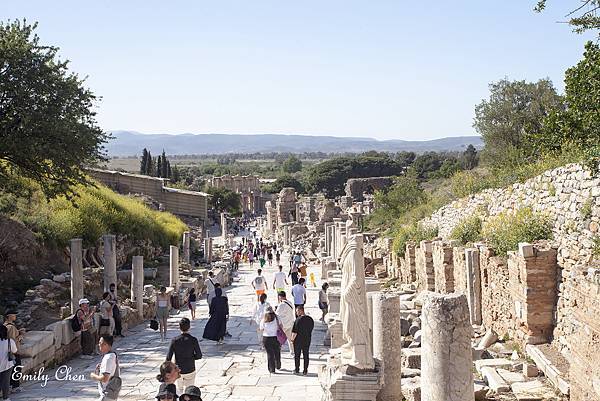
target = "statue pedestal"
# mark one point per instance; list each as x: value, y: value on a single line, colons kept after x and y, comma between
x: 334, y: 331
x: 342, y: 383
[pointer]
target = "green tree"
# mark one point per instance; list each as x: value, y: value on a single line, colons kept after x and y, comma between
x: 164, y: 166
x: 469, y: 158
x: 583, y: 17
x: 151, y: 166
x: 291, y: 165
x: 405, y: 194
x: 284, y: 181
x: 225, y: 200
x: 144, y: 162
x: 514, y: 110
x: 159, y: 168
x: 48, y: 128
x: 577, y: 125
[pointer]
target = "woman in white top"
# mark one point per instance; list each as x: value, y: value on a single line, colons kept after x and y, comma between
x: 163, y: 304
x: 259, y: 313
x: 107, y: 324
x: 6, y: 366
x: 269, y: 326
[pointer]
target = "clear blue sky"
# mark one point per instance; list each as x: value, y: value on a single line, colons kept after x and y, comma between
x: 382, y: 69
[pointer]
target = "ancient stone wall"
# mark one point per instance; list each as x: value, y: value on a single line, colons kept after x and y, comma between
x: 460, y: 270
x: 424, y: 267
x: 443, y: 267
x: 355, y: 187
x: 408, y: 273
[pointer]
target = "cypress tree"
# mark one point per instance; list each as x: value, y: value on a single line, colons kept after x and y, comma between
x: 159, y: 166
x: 144, y: 162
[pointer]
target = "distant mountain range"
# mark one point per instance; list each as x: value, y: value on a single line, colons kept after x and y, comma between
x: 129, y: 143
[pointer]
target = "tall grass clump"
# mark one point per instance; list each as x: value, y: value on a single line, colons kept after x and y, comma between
x: 467, y: 230
x: 411, y: 233
x: 504, y: 232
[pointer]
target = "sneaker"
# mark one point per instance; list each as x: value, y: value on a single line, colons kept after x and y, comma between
x: 296, y: 372
x: 304, y: 373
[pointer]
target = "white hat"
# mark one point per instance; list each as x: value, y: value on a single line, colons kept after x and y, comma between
x: 83, y: 301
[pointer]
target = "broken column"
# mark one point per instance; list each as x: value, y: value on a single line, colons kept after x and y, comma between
x: 110, y: 260
x: 174, y: 267
x: 208, y: 249
x: 386, y: 343
x: 473, y: 284
x: 76, y: 272
x: 446, y: 356
x: 186, y: 247
x: 137, y: 284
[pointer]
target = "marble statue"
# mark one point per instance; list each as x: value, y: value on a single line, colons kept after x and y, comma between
x: 353, y: 307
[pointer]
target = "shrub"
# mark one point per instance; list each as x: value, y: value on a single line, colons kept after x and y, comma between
x: 505, y: 231
x: 465, y: 183
x: 467, y: 230
x: 586, y: 209
x: 411, y: 233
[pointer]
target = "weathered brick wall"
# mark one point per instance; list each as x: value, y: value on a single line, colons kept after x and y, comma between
x: 582, y: 335
x: 424, y: 267
x: 532, y: 279
x: 496, y: 302
x: 460, y: 270
x: 408, y: 272
x: 443, y: 267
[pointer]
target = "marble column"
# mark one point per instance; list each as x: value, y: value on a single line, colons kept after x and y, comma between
x: 446, y: 356
x: 298, y: 217
x: 208, y: 249
x: 186, y: 247
x: 473, y: 284
x: 223, y: 226
x: 110, y: 260
x: 387, y: 346
x: 76, y: 272
x: 174, y: 267
x: 137, y: 284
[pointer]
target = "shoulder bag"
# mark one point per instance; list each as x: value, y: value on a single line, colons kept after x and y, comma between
x: 113, y: 387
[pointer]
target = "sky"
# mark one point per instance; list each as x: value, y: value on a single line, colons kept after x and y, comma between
x: 395, y: 69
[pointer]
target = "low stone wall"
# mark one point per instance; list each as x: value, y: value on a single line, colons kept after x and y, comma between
x: 443, y: 267
x: 460, y: 270
x: 496, y: 303
x: 424, y: 267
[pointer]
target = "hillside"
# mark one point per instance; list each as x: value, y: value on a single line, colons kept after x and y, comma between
x: 127, y: 143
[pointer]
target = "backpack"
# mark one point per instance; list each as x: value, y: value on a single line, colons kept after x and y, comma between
x: 113, y: 387
x: 75, y: 324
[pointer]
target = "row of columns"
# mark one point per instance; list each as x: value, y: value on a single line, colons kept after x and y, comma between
x: 137, y: 272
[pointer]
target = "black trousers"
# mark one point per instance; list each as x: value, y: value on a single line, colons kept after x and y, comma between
x: 5, y: 382
x: 117, y: 317
x: 16, y: 383
x: 87, y: 343
x: 294, y: 278
x: 273, y: 349
x: 301, y: 347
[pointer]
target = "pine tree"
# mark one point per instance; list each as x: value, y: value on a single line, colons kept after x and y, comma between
x: 175, y: 174
x: 159, y: 166
x: 164, y: 170
x: 169, y: 171
x: 144, y: 162
x: 151, y: 166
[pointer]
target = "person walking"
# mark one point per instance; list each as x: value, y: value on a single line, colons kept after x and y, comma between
x: 209, y: 283
x: 323, y: 301
x: 17, y: 336
x: 216, y: 327
x: 299, y: 293
x: 301, y: 338
x: 277, y: 257
x: 251, y: 259
x: 270, y: 257
x: 302, y: 270
x: 269, y: 326
x: 259, y: 313
x: 286, y: 315
x: 191, y: 301
x: 186, y: 350
x: 169, y: 373
x: 116, y: 312
x: 107, y: 322
x: 279, y: 280
x: 83, y: 320
x: 259, y: 284
x: 7, y: 349
x: 294, y: 272
x: 106, y: 370
x: 163, y: 304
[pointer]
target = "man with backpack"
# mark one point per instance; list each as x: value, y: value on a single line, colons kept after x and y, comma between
x: 107, y: 372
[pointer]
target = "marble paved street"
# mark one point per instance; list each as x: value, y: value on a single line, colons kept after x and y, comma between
x: 235, y: 370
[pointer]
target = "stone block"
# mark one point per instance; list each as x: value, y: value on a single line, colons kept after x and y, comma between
x: 530, y: 370
x: 496, y: 383
x: 495, y: 363
x: 526, y: 250
x: 67, y: 332
x: 57, y: 332
x: 510, y: 377
x: 490, y: 338
x: 411, y: 388
x: 34, y: 342
x: 411, y: 358
x: 532, y: 391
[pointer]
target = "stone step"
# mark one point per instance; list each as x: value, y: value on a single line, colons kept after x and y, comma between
x: 496, y: 383
x: 496, y: 363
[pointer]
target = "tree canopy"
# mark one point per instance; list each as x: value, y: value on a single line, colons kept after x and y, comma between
x: 514, y: 110
x: 48, y: 130
x: 225, y: 200
x: 284, y: 181
x: 291, y: 165
x: 583, y: 17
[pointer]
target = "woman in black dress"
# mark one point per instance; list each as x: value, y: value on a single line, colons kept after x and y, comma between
x: 216, y: 327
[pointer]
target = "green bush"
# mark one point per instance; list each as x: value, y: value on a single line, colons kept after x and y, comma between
x: 586, y: 209
x: 468, y: 182
x: 467, y: 230
x: 504, y: 232
x: 96, y: 211
x: 411, y: 233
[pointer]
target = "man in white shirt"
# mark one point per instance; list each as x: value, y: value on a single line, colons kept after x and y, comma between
x: 105, y: 370
x: 260, y: 284
x: 279, y: 280
x: 299, y: 293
